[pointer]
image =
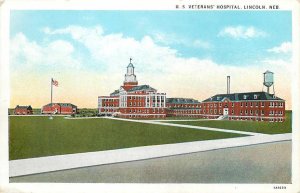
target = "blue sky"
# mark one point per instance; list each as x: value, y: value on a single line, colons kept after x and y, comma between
x: 182, y: 27
x: 182, y: 53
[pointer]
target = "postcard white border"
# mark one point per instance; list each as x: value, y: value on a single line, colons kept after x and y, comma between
x: 8, y: 5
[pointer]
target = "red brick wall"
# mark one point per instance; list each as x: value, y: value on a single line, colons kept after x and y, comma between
x: 246, y: 110
x: 60, y: 109
x: 22, y: 111
x: 136, y: 101
x: 183, y: 110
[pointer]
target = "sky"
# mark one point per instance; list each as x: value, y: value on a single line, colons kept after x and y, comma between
x: 182, y: 53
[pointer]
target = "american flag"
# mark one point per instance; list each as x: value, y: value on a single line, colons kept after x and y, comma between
x: 54, y: 82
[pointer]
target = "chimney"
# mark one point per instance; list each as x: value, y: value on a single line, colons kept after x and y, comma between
x: 228, y: 84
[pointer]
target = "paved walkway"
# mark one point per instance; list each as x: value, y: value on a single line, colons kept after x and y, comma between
x: 62, y: 162
x: 159, y: 122
x: 187, y: 126
x: 258, y: 164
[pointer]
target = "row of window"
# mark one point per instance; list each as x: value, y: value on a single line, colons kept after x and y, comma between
x: 110, y: 105
x: 146, y: 116
x: 251, y: 112
x: 136, y: 98
x: 143, y: 97
x: 186, y: 105
x: 145, y: 110
x: 275, y: 104
x: 276, y: 112
x: 108, y: 110
x: 186, y: 111
x: 110, y: 100
x: 187, y: 115
x: 251, y: 104
x: 139, y: 104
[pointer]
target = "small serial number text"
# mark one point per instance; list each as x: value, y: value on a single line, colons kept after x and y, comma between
x: 279, y: 187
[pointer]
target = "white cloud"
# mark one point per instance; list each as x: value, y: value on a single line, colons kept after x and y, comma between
x: 173, y: 39
x: 285, y: 47
x: 52, y: 54
x: 159, y: 66
x: 242, y: 32
x: 201, y: 44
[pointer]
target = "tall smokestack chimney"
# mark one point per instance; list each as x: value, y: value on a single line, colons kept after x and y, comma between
x: 228, y: 84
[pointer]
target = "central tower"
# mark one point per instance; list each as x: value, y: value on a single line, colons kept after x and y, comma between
x: 130, y: 78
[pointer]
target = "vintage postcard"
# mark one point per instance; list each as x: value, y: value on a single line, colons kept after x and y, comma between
x: 177, y: 96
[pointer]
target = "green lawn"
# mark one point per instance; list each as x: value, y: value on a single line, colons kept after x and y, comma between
x: 38, y: 136
x: 252, y: 126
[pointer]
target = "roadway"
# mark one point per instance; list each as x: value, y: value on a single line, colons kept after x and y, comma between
x: 262, y: 163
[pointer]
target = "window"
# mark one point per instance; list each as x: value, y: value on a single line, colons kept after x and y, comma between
x: 232, y: 104
x: 232, y: 112
x: 262, y: 112
x: 246, y: 104
x: 241, y: 104
x: 246, y: 112
x: 251, y: 112
x: 245, y: 97
x: 220, y: 104
x: 256, y: 104
x: 262, y: 104
x: 255, y: 96
x: 241, y: 112
x: 251, y: 104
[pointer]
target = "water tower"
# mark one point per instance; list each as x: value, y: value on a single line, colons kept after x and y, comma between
x: 269, y: 80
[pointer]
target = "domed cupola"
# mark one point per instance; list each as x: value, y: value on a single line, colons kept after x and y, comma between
x: 130, y: 77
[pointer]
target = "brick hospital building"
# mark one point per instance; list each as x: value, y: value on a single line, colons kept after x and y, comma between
x: 132, y: 100
x: 142, y: 101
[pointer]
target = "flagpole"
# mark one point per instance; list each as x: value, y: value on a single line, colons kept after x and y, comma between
x: 51, y: 98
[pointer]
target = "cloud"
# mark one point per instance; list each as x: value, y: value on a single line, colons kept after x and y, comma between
x: 112, y: 51
x: 242, y: 32
x: 160, y: 66
x: 285, y: 47
x: 201, y: 44
x: 28, y: 53
x: 173, y: 39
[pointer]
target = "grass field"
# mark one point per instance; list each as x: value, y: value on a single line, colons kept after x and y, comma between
x: 37, y: 136
x: 252, y: 126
